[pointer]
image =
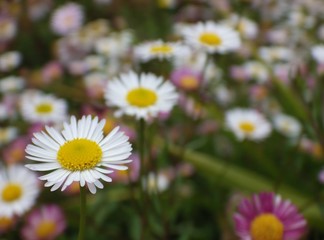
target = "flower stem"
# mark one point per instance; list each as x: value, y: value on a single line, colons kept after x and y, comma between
x: 83, y: 202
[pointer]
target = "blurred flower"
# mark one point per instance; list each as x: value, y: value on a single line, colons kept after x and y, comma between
x: 15, y: 153
x: 51, y: 71
x: 321, y: 176
x: 19, y: 190
x: 246, y: 27
x: 131, y: 174
x: 142, y: 96
x: 275, y: 54
x: 79, y: 153
x: 247, y: 124
x: 287, y: 125
x: 278, y: 36
x: 267, y: 216
x: 256, y: 70
x: 7, y: 134
x: 159, y: 50
x: 156, y: 183
x: 9, y: 61
x: 95, y: 83
x: 8, y: 28
x: 37, y: 9
x: 67, y: 18
x: 6, y: 223
x: 94, y: 62
x: 45, y: 223
x: 11, y: 84
x: 43, y: 108
x: 186, y: 78
x: 211, y: 37
x: 318, y: 53
x: 223, y: 95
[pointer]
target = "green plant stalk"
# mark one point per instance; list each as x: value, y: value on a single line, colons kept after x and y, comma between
x: 248, y: 181
x: 83, y: 203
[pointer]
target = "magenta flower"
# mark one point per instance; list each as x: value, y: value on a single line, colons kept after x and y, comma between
x: 46, y: 223
x: 267, y: 216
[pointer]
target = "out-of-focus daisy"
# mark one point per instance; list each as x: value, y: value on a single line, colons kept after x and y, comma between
x: 14, y: 152
x: 7, y: 134
x: 95, y: 83
x: 67, y: 18
x: 318, y: 53
x: 275, y: 54
x: 47, y: 222
x: 94, y: 62
x: 186, y: 78
x: 80, y: 153
x: 11, y: 84
x: 159, y: 50
x: 19, y: 190
x: 211, y: 37
x: 246, y: 27
x: 9, y: 61
x: 256, y: 70
x: 142, y: 96
x: 38, y: 107
x: 247, y: 124
x: 8, y: 28
x: 155, y: 183
x: 267, y: 216
x: 287, y: 125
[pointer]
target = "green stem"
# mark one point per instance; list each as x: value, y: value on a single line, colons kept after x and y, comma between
x: 141, y: 146
x: 83, y: 202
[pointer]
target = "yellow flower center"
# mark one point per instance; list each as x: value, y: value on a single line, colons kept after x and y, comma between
x: 247, y: 127
x: 267, y: 227
x: 163, y: 49
x: 44, y: 108
x: 141, y: 97
x: 189, y: 82
x: 79, y: 155
x: 11, y: 192
x: 45, y: 229
x: 211, y: 39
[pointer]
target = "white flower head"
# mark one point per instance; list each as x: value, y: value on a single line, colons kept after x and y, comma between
x: 11, y: 84
x: 80, y: 153
x: 159, y: 50
x: 318, y: 53
x: 9, y: 60
x: 18, y: 190
x: 287, y: 125
x: 211, y: 37
x: 142, y: 96
x: 247, y: 124
x: 38, y: 107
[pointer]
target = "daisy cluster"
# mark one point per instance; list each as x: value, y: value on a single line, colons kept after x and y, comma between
x: 181, y: 119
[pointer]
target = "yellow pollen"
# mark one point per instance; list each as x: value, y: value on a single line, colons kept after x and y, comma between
x: 267, y: 227
x: 45, y: 229
x: 163, y: 48
x: 11, y: 192
x: 44, y: 108
x: 189, y: 82
x: 247, y: 127
x: 211, y: 39
x: 79, y: 155
x: 141, y: 97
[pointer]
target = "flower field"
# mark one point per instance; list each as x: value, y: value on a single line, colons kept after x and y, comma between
x: 162, y: 119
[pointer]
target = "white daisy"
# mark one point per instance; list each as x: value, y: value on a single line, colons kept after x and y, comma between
x: 7, y: 134
x: 246, y: 27
x: 256, y: 70
x: 211, y: 37
x: 318, y: 53
x: 80, y: 153
x: 142, y: 96
x: 287, y: 125
x: 18, y: 190
x: 247, y: 124
x: 38, y: 107
x: 275, y: 53
x: 9, y: 60
x: 11, y: 84
x: 159, y: 50
x: 156, y: 183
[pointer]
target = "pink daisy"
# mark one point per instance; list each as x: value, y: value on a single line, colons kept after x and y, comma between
x: 267, y: 216
x: 67, y: 18
x: 186, y: 79
x: 46, y: 223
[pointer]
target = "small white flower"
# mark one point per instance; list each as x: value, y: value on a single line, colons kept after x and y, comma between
x: 11, y: 84
x: 318, y: 53
x: 256, y: 70
x: 246, y: 27
x: 247, y: 124
x: 211, y: 37
x: 80, y: 153
x: 142, y: 96
x: 9, y: 61
x: 7, y: 134
x: 275, y: 54
x: 287, y: 125
x: 18, y: 190
x: 159, y: 50
x: 155, y: 183
x: 38, y: 107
